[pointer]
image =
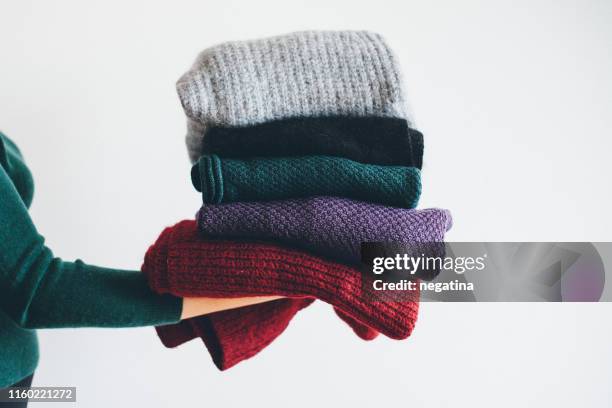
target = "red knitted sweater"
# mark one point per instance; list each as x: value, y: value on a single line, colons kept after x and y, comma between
x: 184, y: 264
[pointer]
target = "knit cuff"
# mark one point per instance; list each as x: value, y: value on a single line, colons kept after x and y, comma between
x: 173, y: 335
x: 155, y: 259
x: 207, y: 177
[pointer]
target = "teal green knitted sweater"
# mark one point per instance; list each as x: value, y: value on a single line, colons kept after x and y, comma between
x: 267, y: 179
x: 39, y: 291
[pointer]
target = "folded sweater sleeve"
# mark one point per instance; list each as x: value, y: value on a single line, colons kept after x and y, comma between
x: 39, y: 290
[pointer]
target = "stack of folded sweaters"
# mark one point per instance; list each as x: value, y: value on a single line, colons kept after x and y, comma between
x: 302, y: 150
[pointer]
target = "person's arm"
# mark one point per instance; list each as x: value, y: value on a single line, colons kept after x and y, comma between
x: 39, y: 290
x: 197, y: 306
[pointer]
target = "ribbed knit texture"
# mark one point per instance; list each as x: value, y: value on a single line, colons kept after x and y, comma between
x: 302, y: 74
x: 330, y: 226
x: 233, y: 180
x: 232, y: 336
x: 183, y: 264
x: 236, y: 334
x: 374, y: 140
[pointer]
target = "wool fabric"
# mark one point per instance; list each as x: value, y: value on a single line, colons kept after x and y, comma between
x: 330, y: 226
x: 361, y: 330
x: 184, y: 264
x: 301, y: 74
x: 232, y: 336
x: 370, y: 139
x: 255, y: 319
x: 261, y: 179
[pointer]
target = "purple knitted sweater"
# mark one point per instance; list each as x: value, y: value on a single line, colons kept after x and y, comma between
x: 331, y: 226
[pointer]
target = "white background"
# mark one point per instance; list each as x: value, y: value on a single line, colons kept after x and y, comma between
x: 514, y: 99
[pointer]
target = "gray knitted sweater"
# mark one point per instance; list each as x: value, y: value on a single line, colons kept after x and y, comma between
x: 303, y: 74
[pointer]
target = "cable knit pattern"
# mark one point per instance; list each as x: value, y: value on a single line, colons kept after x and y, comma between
x: 330, y: 226
x: 302, y: 74
x: 232, y: 180
x: 183, y: 264
x: 374, y: 140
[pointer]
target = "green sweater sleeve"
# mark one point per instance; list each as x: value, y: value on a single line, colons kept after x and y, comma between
x: 39, y: 290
